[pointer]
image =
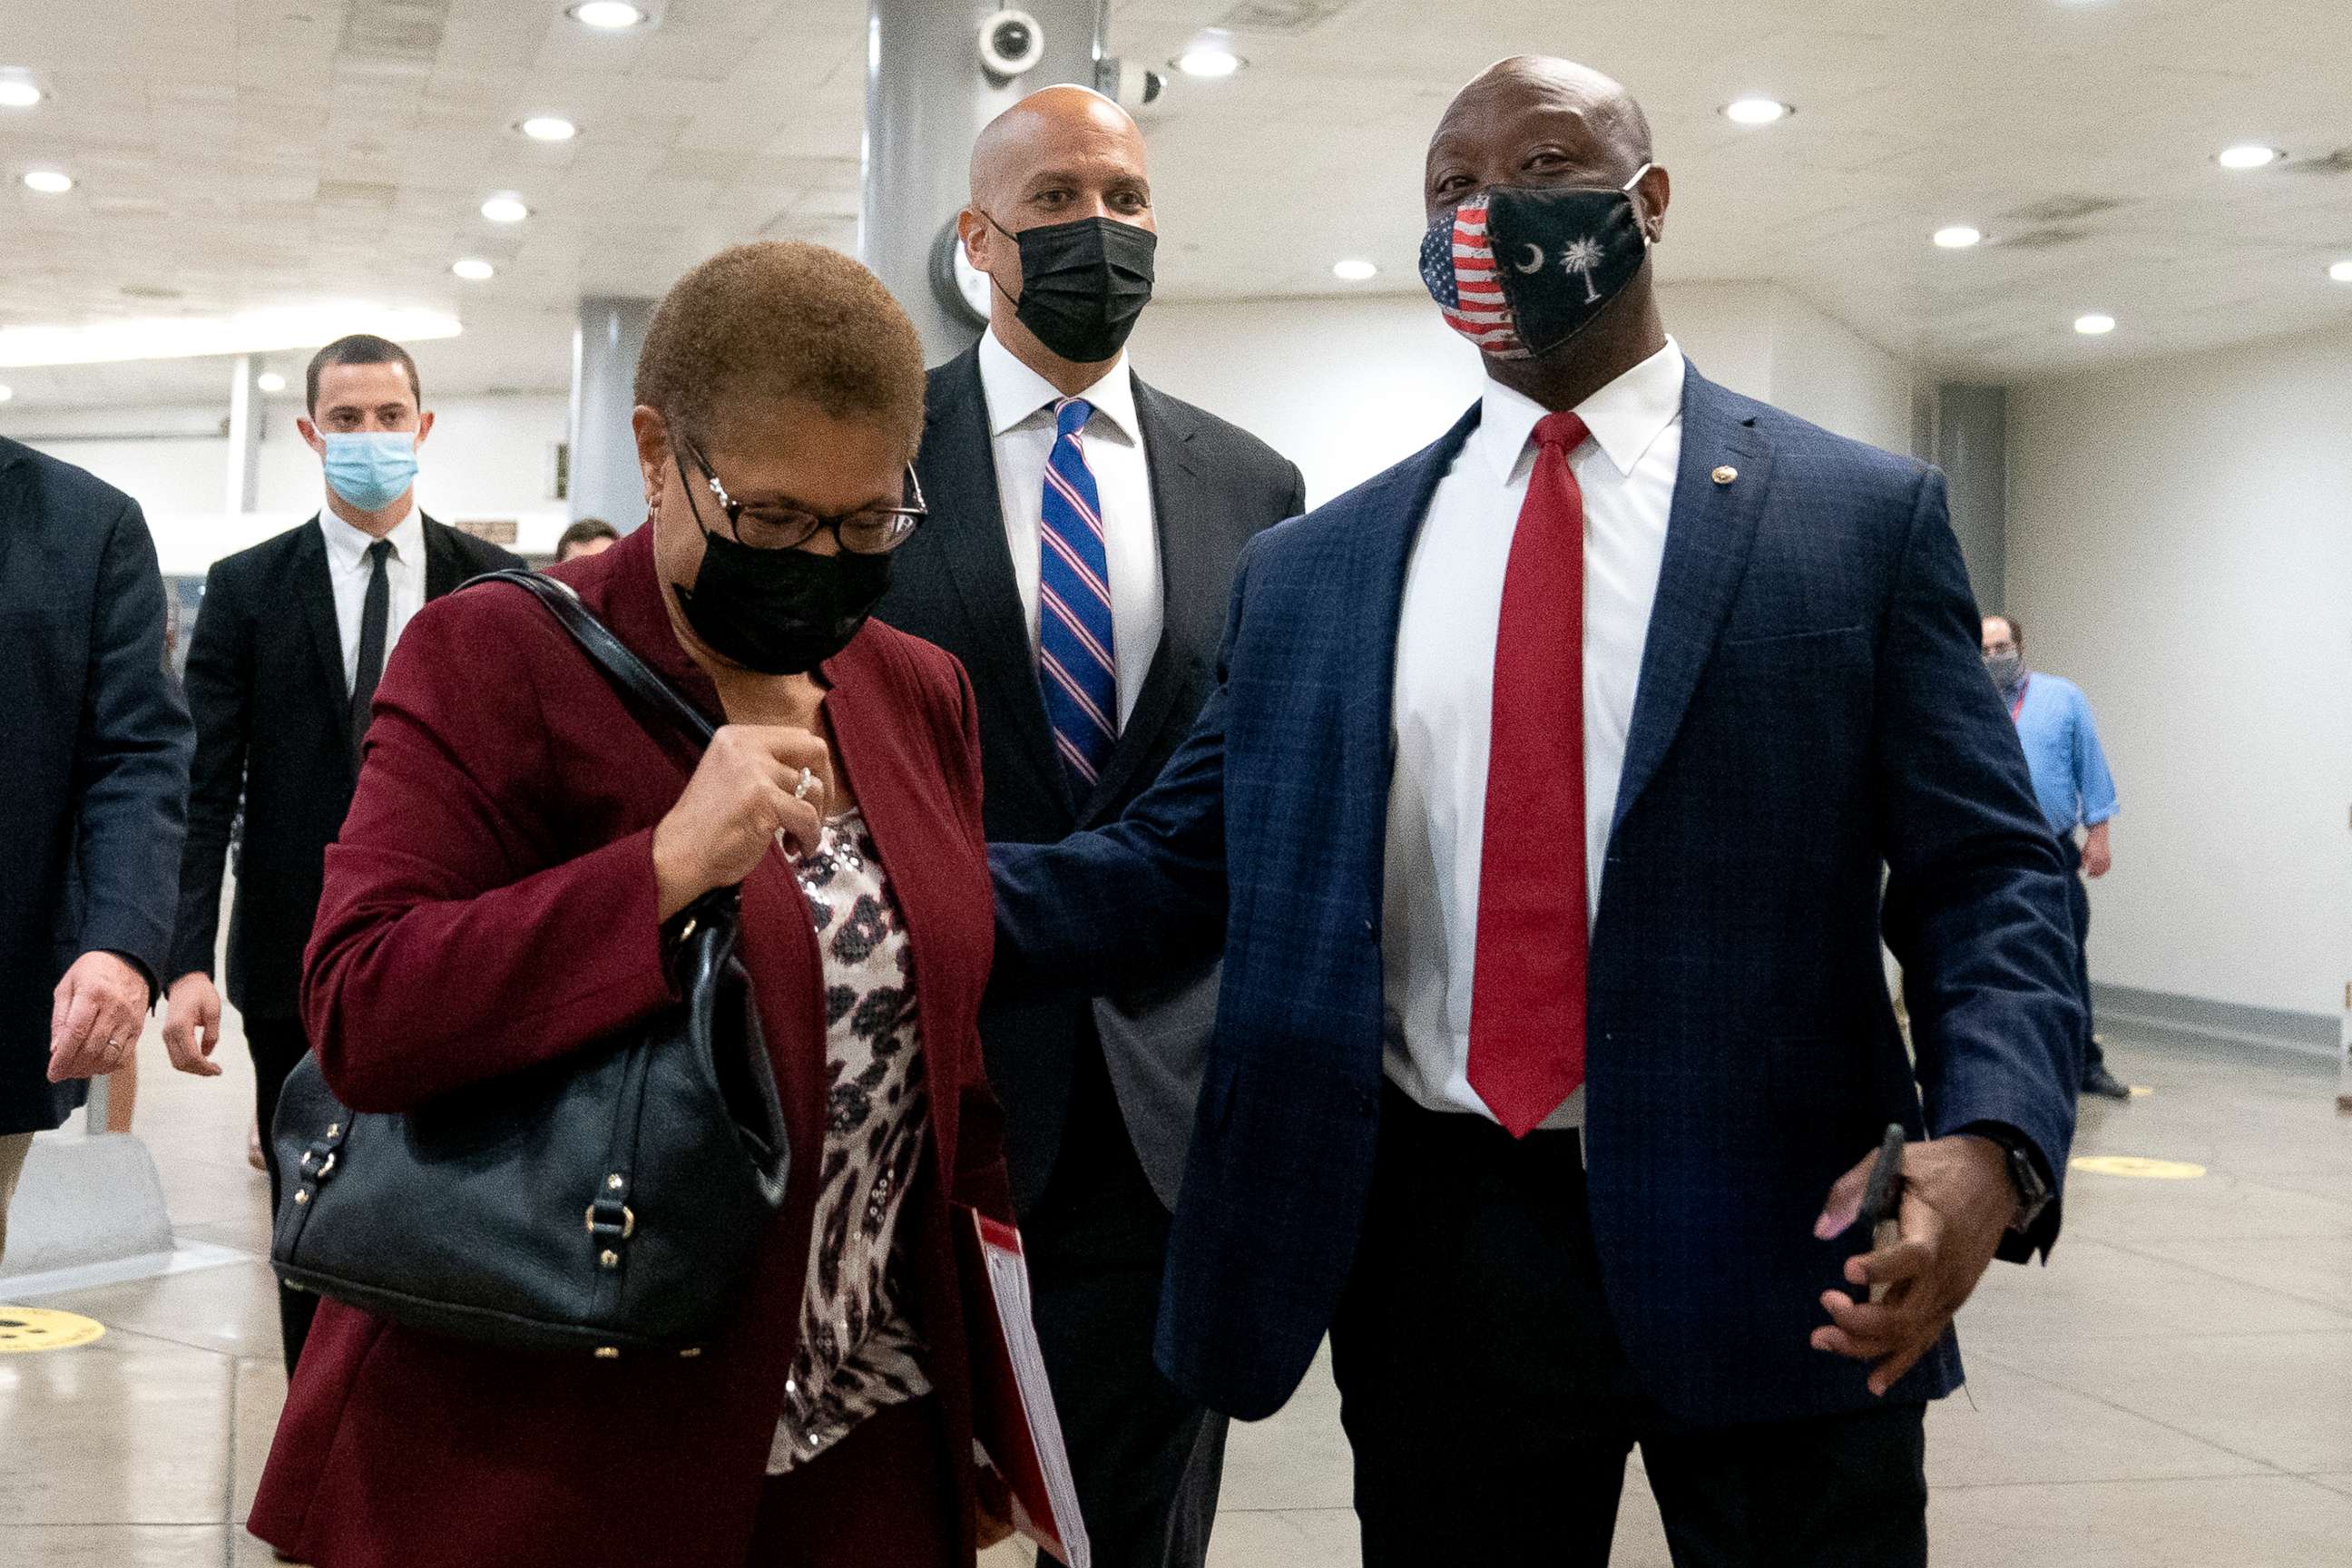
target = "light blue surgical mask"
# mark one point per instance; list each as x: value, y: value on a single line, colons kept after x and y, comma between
x: 370, y: 468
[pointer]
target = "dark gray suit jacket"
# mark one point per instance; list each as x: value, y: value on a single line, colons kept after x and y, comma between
x: 93, y: 757
x: 1213, y: 488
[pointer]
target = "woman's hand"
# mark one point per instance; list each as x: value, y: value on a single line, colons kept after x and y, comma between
x: 747, y: 789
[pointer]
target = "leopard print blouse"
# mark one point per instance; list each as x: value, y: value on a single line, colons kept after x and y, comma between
x: 858, y: 1353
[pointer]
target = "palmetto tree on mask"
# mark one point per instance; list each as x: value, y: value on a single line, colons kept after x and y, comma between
x: 1581, y: 258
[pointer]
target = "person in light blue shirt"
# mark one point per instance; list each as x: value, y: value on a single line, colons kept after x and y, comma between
x: 2076, y: 792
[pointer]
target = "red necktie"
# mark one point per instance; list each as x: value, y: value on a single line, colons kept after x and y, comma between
x: 1527, y: 1000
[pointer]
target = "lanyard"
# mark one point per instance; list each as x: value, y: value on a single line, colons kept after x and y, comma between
x: 2018, y: 706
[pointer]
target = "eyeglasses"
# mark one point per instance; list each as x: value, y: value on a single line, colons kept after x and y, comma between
x: 870, y: 530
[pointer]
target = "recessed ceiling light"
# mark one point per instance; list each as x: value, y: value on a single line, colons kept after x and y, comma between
x: 6, y: 392
x: 18, y: 92
x: 1211, y: 61
x: 1959, y: 236
x: 271, y: 381
x: 2094, y: 325
x: 2247, y: 155
x: 548, y: 128
x: 49, y: 182
x: 505, y: 209
x: 1755, y: 110
x: 473, y: 270
x: 188, y: 336
x: 2341, y: 271
x: 1354, y: 269
x: 607, y: 15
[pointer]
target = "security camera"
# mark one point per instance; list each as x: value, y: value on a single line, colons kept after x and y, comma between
x: 1131, y: 85
x: 1010, y: 43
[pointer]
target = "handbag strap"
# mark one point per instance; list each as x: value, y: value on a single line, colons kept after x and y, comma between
x: 608, y: 653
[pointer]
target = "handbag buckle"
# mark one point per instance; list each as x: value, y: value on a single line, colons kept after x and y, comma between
x: 627, y: 1225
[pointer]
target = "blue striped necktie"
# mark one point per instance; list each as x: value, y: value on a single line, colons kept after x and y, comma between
x: 1075, y: 667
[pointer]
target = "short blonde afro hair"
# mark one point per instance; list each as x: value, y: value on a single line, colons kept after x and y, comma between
x: 779, y: 319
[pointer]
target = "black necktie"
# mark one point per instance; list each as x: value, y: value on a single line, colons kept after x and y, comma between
x: 376, y: 627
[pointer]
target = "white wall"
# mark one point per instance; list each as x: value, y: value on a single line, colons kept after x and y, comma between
x: 1831, y: 374
x: 487, y: 458
x: 1344, y: 387
x: 2180, y: 543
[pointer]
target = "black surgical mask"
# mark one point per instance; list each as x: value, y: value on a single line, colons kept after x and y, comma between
x: 2006, y: 668
x: 1083, y: 284
x: 1522, y: 269
x: 780, y: 612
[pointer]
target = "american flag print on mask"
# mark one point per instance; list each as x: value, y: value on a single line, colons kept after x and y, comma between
x: 1457, y: 265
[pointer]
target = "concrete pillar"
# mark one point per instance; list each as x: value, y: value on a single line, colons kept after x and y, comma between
x: 1972, y: 449
x: 244, y: 439
x: 926, y: 96
x: 604, y: 479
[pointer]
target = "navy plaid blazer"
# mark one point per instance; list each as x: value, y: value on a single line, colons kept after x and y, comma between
x: 1812, y: 712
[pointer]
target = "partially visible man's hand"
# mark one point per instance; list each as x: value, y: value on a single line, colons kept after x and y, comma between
x: 1958, y: 1200
x: 2097, y: 859
x: 192, y: 1024
x: 95, y: 1016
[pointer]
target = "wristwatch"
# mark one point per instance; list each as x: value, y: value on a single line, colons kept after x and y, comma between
x: 2033, y: 1194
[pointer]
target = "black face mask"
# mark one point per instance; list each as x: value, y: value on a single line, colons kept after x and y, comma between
x: 1083, y: 284
x: 1522, y: 269
x: 780, y: 612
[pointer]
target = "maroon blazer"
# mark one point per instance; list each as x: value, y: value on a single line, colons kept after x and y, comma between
x: 491, y: 905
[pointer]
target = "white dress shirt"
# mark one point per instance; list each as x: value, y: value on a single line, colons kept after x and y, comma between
x: 1021, y: 429
x: 347, y: 569
x: 1444, y: 717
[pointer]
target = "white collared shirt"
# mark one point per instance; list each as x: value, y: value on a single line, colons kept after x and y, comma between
x: 1442, y: 722
x: 1021, y: 432
x: 347, y: 569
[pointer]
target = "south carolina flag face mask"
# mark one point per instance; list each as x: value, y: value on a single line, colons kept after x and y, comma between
x: 1520, y: 270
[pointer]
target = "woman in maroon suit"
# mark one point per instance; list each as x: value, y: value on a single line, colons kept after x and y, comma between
x: 500, y: 896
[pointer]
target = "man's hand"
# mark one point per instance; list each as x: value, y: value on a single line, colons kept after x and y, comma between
x: 1958, y: 1200
x: 95, y: 1016
x: 2096, y: 857
x: 192, y: 1024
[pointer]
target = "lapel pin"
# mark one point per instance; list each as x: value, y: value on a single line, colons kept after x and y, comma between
x: 1725, y: 474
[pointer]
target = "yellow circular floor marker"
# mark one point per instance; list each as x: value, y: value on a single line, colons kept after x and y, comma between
x: 2138, y: 1165
x: 26, y: 1328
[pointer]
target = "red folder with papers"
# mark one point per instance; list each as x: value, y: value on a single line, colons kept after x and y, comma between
x: 1013, y: 1409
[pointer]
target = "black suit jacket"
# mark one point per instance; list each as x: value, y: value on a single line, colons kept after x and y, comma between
x: 93, y: 757
x: 267, y: 686
x: 1213, y: 488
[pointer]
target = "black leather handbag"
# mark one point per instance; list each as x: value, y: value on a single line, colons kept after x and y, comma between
x: 610, y: 1201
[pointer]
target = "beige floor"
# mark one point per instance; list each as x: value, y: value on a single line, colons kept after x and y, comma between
x: 2176, y: 1391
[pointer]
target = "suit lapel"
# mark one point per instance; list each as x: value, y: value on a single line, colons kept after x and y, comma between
x: 315, y: 587
x: 962, y: 486
x: 1392, y: 509
x: 1708, y: 534
x: 444, y: 571
x: 1190, y: 579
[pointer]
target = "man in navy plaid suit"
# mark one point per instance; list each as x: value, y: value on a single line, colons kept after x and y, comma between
x: 1541, y: 812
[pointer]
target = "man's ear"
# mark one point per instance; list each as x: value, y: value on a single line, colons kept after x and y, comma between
x: 424, y: 427
x: 310, y: 434
x: 985, y: 247
x: 1656, y: 191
